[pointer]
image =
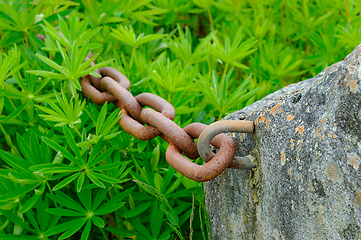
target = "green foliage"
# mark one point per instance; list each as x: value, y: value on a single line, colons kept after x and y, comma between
x: 67, y: 171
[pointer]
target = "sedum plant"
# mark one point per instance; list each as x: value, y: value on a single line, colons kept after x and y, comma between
x: 68, y: 171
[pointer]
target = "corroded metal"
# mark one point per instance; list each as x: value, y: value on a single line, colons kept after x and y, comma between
x: 195, y: 130
x: 173, y: 132
x: 113, y: 86
x: 209, y: 170
x: 137, y: 129
x: 94, y: 94
x: 112, y: 73
x: 220, y: 127
x: 125, y: 98
x: 91, y: 85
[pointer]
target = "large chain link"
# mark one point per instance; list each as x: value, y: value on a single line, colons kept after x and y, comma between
x: 113, y: 87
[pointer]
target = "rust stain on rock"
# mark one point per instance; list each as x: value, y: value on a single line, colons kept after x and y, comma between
x: 353, y: 162
x: 283, y: 158
x: 323, y: 121
x: 290, y: 117
x: 300, y: 129
x: 356, y: 200
x: 358, y: 197
x: 352, y: 69
x: 292, y: 144
x: 274, y: 109
x: 351, y: 82
x: 261, y: 118
x: 353, y: 85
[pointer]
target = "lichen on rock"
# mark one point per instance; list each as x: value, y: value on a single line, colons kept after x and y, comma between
x: 308, y: 182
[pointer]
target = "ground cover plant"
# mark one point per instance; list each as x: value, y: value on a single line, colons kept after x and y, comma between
x: 68, y: 171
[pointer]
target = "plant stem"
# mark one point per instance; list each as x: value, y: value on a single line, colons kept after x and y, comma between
x: 347, y: 15
x: 5, y: 134
x: 77, y: 131
x: 131, y: 58
x: 13, y: 105
x: 104, y: 235
x: 191, y: 219
x: 8, y: 141
x: 26, y: 39
x: 210, y: 18
x: 224, y: 74
x: 49, y: 187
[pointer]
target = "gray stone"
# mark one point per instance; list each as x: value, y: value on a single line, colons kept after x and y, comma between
x: 306, y: 145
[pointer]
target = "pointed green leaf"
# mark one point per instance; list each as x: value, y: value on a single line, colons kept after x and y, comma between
x: 18, y: 192
x: 63, y: 227
x: 66, y: 201
x: 72, y: 143
x: 86, y: 231
x: 64, y: 212
x: 66, y: 181
x: 63, y: 151
x: 99, y: 222
x: 137, y: 210
x: 80, y: 181
x: 15, y: 161
x: 105, y: 178
x: 94, y: 179
x: 107, y: 166
x: 74, y: 229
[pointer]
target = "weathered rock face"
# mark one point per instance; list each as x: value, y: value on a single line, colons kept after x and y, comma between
x: 307, y: 148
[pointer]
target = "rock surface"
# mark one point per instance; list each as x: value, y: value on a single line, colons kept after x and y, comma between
x: 307, y: 148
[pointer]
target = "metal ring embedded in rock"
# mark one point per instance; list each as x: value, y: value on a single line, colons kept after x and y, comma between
x: 195, y: 130
x: 220, y: 127
x: 209, y: 170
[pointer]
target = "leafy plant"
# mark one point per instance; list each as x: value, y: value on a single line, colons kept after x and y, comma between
x: 182, y: 47
x: 67, y: 171
x: 127, y: 35
x: 67, y: 114
x: 18, y: 19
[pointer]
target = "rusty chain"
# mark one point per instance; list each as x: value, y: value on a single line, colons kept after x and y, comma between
x: 113, y: 86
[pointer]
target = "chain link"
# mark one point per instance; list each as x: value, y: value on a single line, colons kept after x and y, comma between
x: 113, y: 87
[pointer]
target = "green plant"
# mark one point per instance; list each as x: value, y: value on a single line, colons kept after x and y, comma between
x: 67, y: 171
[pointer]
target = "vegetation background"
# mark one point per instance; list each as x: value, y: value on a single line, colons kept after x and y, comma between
x: 67, y: 171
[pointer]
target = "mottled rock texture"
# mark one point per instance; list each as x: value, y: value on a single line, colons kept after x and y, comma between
x: 307, y: 148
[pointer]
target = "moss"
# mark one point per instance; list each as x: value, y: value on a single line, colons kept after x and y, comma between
x: 255, y: 178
